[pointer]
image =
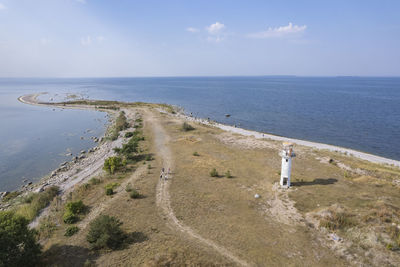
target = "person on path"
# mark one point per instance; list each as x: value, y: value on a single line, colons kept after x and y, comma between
x: 162, y: 174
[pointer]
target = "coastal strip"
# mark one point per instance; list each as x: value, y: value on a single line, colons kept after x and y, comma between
x: 315, y: 145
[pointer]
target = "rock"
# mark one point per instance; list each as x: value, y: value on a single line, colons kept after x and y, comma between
x: 83, y: 151
x: 81, y: 157
x: 63, y: 164
x: 82, y: 137
x: 25, y: 180
x: 69, y: 154
x: 29, y: 183
x: 257, y: 196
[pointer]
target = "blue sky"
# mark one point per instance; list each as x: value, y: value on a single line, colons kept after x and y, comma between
x: 99, y: 38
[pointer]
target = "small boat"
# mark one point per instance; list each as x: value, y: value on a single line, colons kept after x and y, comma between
x: 227, y: 115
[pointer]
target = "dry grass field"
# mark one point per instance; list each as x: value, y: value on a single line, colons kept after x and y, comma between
x: 340, y: 211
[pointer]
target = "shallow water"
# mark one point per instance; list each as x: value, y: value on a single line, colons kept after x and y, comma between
x: 353, y: 112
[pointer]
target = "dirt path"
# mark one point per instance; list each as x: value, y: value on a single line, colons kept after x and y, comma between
x: 163, y: 198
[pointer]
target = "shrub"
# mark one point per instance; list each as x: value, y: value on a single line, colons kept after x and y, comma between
x: 11, y: 195
x: 337, y: 220
x: 75, y: 207
x: 112, y: 164
x: 187, y: 127
x: 109, y: 191
x: 120, y: 122
x: 129, y: 134
x: 71, y: 230
x: 128, y: 188
x: 37, y: 202
x: 110, y: 188
x: 148, y: 157
x: 149, y: 166
x: 228, y: 174
x: 94, y: 181
x: 70, y: 217
x: 105, y: 232
x: 134, y: 194
x: 17, y: 242
x: 214, y: 173
x: 196, y: 154
x: 46, y: 227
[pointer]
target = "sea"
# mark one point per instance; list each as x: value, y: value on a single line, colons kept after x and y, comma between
x: 362, y: 113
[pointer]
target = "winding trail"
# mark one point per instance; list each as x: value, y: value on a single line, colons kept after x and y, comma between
x: 161, y: 138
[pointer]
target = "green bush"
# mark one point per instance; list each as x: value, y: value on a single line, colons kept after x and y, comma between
x: 36, y: 202
x: 70, y: 217
x: 105, y: 232
x: 109, y: 191
x: 228, y: 174
x: 112, y: 164
x: 196, y: 154
x: 134, y: 194
x: 187, y: 127
x: 94, y: 181
x: 71, y: 230
x: 75, y: 207
x: 128, y: 187
x: 121, y: 122
x: 149, y: 166
x: 129, y: 134
x: 18, y: 246
x: 110, y: 188
x: 148, y: 157
x: 214, y: 173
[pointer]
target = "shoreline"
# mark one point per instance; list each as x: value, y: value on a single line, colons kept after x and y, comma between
x: 88, y: 162
x: 31, y: 99
x: 320, y: 146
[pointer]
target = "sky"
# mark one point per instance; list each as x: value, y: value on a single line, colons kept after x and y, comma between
x: 122, y: 38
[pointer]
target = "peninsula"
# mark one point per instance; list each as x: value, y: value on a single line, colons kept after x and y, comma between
x: 189, y: 191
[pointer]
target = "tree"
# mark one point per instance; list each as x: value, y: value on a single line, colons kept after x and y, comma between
x: 18, y: 246
x: 105, y: 232
x: 112, y: 164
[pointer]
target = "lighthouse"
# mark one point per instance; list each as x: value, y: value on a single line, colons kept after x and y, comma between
x: 287, y: 154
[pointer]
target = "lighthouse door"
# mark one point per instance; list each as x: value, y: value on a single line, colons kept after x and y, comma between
x: 285, y: 179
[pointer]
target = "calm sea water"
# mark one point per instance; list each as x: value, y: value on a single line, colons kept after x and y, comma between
x: 353, y: 112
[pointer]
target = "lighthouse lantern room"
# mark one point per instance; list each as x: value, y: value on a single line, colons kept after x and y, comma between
x: 287, y: 154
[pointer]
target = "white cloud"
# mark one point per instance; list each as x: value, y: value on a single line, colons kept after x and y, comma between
x: 100, y: 38
x: 89, y: 40
x: 85, y: 41
x: 215, y: 28
x: 2, y: 6
x: 282, y: 31
x: 191, y: 29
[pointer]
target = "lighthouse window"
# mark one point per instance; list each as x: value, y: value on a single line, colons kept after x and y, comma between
x: 286, y: 160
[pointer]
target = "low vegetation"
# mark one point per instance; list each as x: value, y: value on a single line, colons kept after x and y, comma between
x: 71, y: 230
x: 35, y: 202
x: 110, y: 188
x: 228, y: 174
x: 337, y: 221
x: 214, y: 173
x: 134, y: 194
x: 105, y: 233
x: 112, y: 164
x: 196, y: 154
x: 18, y: 246
x: 187, y: 127
x: 72, y: 211
x: 121, y: 124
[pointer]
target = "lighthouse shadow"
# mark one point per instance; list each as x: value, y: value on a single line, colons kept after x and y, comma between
x: 318, y: 181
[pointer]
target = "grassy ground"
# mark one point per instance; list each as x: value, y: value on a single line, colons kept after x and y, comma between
x: 331, y: 193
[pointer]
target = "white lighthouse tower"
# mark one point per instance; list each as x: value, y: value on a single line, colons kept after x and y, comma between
x: 287, y: 154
